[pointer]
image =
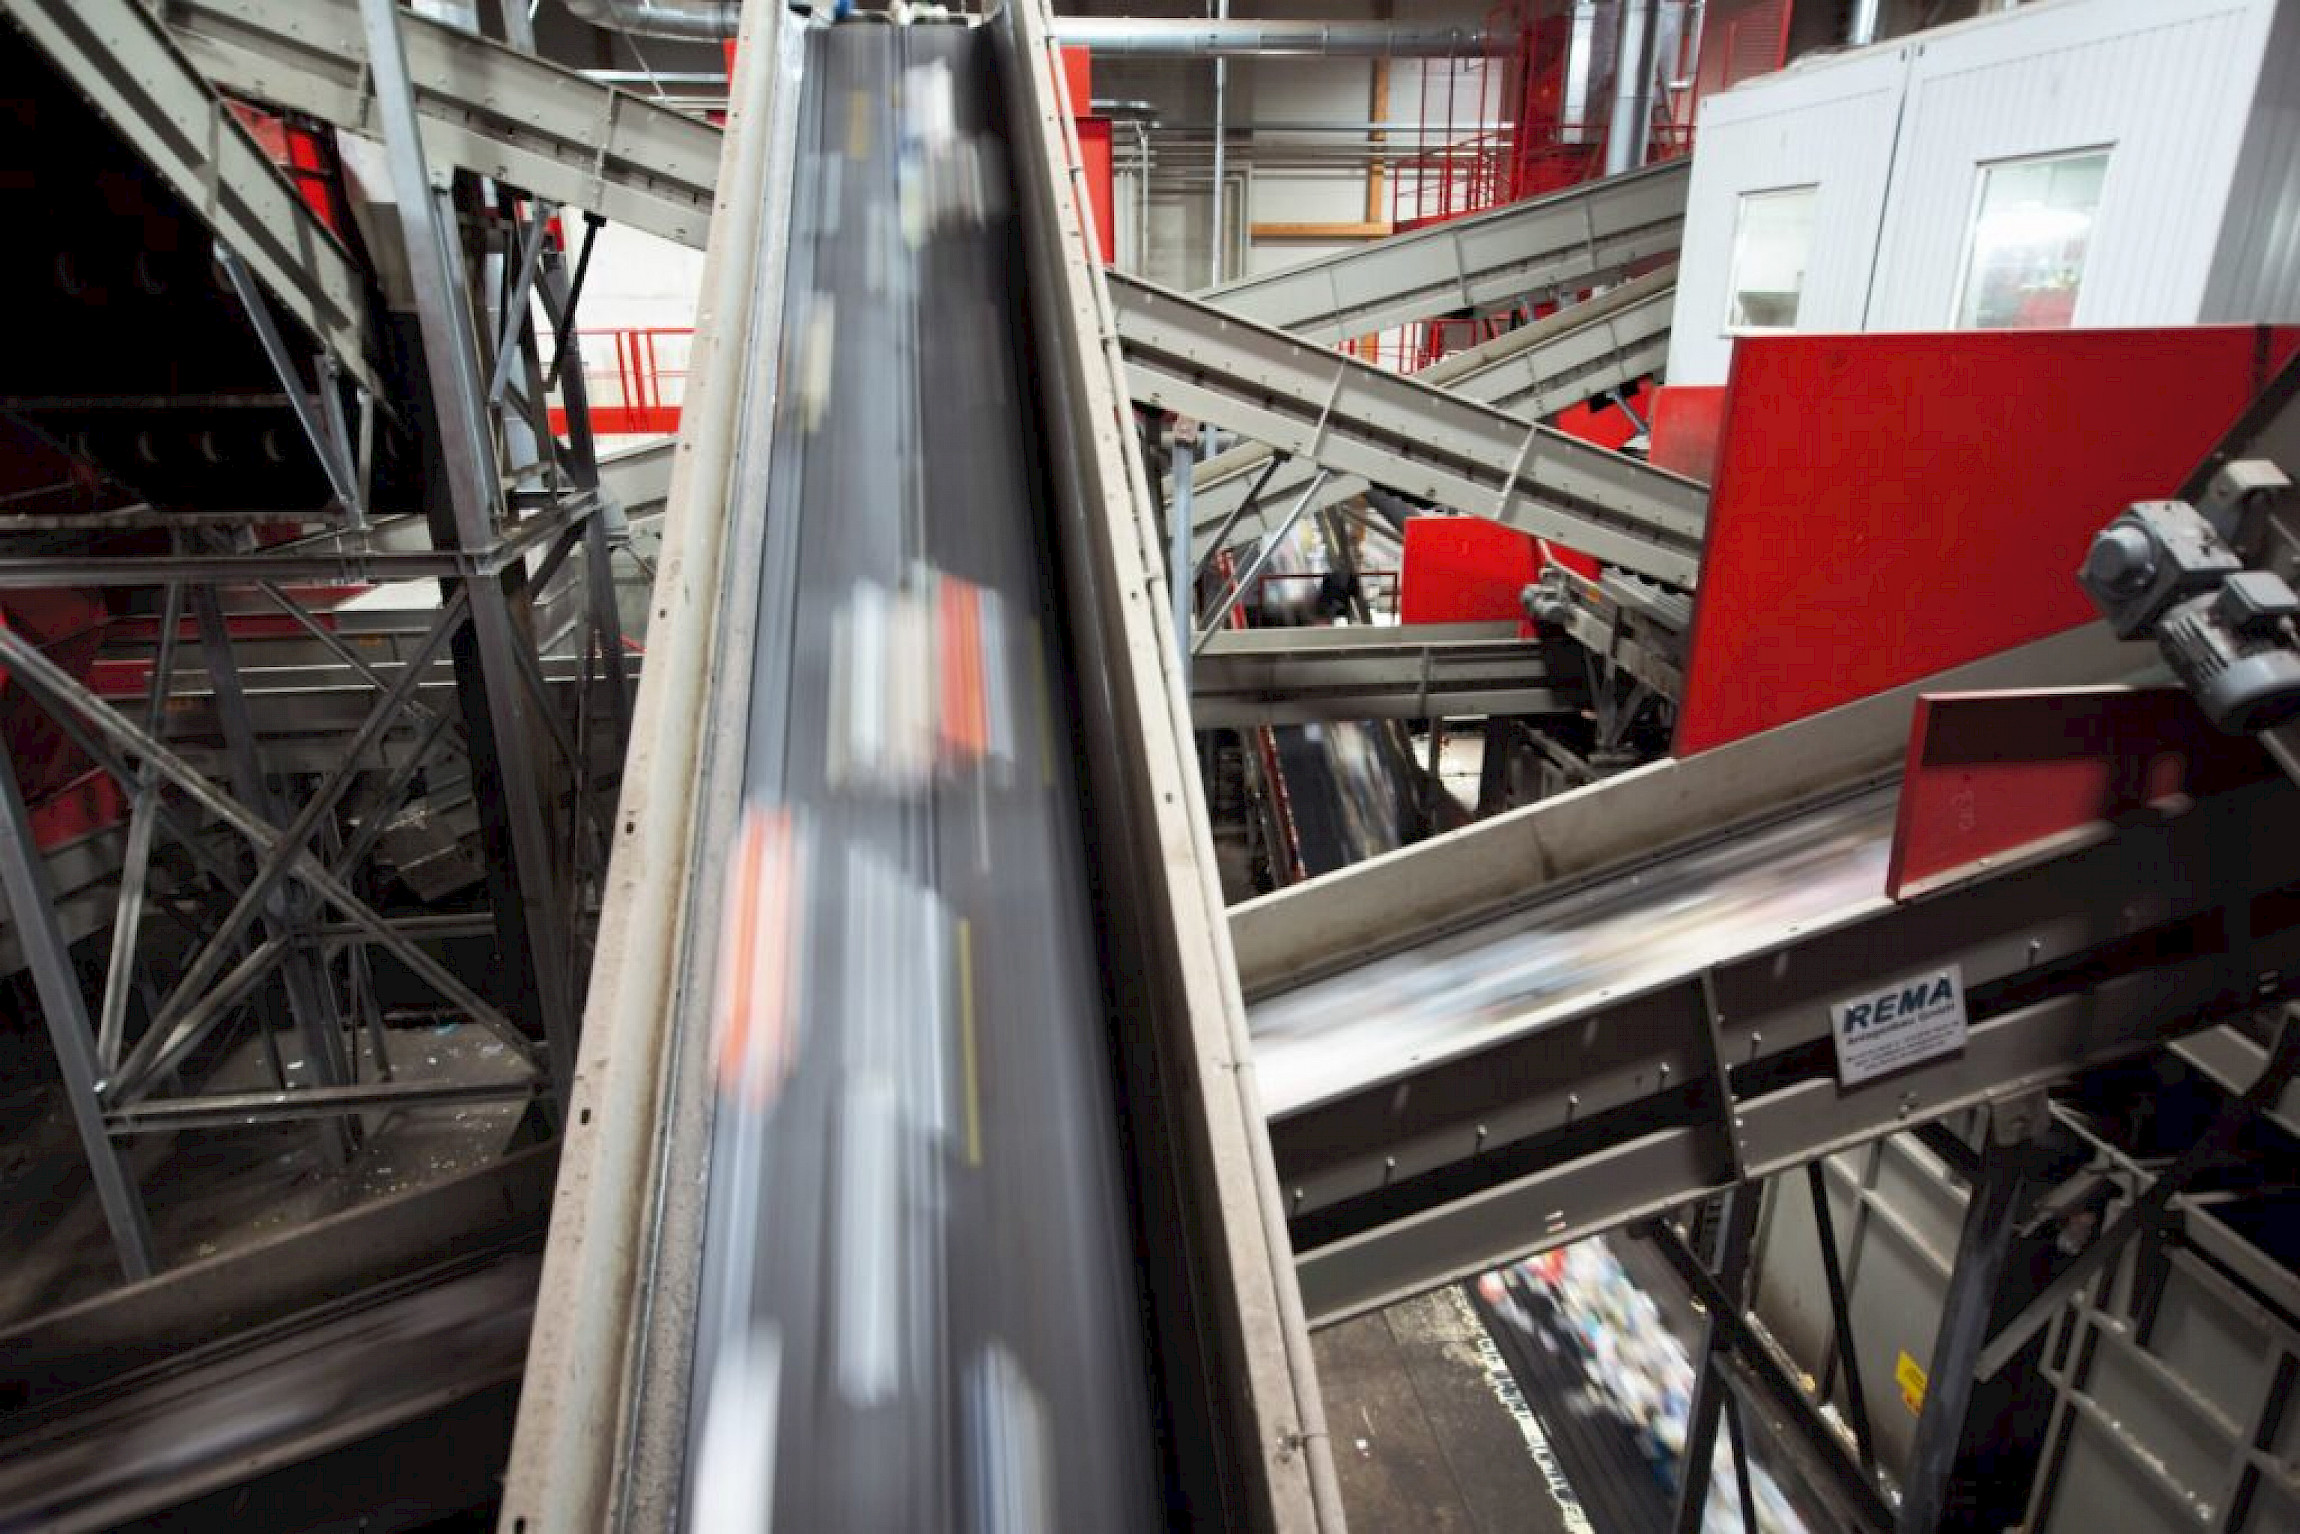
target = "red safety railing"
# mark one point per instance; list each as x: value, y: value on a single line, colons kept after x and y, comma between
x: 636, y: 378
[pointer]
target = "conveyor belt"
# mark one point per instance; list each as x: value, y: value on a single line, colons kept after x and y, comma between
x: 1419, y: 1008
x: 1349, y: 417
x: 931, y: 1095
x: 484, y: 107
x: 1534, y: 371
x: 1476, y: 1088
x: 1541, y: 248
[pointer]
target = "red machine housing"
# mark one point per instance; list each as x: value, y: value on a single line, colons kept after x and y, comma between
x: 1887, y: 507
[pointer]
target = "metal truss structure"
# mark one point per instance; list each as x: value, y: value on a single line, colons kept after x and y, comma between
x: 300, y: 776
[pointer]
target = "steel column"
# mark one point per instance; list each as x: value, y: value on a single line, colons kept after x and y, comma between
x: 532, y: 927
x: 1981, y: 1250
x: 1179, y: 573
x: 33, y: 907
x: 1709, y: 1386
x: 1840, y: 1313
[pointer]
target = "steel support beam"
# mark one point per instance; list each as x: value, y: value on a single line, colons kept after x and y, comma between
x: 24, y: 877
x: 229, y: 1110
x: 1982, y: 1246
x: 1248, y: 677
x: 1842, y: 1481
x: 1542, y: 248
x: 492, y: 109
x: 1532, y: 372
x: 121, y: 57
x: 63, y: 696
x: 2276, y: 1073
x: 286, y: 914
x: 1347, y: 417
x: 532, y: 923
x: 1843, y: 1345
x: 1731, y: 1284
x: 160, y: 1045
x: 353, y: 557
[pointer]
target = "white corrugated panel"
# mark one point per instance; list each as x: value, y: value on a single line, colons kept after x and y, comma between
x: 1829, y: 127
x: 2162, y: 83
x: 2256, y: 275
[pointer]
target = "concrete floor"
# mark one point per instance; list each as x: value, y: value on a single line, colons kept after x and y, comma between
x: 1429, y: 1433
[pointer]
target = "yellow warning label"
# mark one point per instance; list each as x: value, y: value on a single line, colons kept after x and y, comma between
x: 1912, y: 1379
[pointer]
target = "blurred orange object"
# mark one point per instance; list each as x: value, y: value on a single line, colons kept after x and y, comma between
x: 759, y: 958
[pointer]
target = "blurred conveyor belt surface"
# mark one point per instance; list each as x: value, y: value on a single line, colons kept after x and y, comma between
x: 909, y: 1181
x: 921, y: 1078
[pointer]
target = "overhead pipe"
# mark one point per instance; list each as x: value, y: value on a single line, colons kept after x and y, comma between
x: 1626, y: 141
x: 1185, y: 38
x: 697, y: 21
x: 1861, y: 29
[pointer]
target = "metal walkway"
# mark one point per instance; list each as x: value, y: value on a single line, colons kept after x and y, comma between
x: 1282, y: 676
x: 118, y: 55
x: 1543, y: 248
x: 1603, y: 343
x: 1351, y: 418
x: 483, y: 107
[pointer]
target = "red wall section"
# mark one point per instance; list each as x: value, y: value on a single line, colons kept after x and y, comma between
x: 1889, y: 506
x: 1686, y: 421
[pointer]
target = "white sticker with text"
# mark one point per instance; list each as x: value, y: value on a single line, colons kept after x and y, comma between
x: 1913, y: 1019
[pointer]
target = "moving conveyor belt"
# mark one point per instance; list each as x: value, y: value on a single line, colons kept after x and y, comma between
x: 1547, y: 961
x: 913, y: 1074
x: 868, y: 1215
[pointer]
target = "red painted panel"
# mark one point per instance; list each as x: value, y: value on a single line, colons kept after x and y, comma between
x: 1078, y: 74
x: 1464, y: 570
x: 1687, y: 419
x: 1604, y: 424
x: 1998, y: 774
x: 1469, y: 570
x: 1889, y: 506
x: 1094, y: 159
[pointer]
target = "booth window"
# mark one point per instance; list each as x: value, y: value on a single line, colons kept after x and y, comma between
x: 2031, y: 229
x: 1772, y: 241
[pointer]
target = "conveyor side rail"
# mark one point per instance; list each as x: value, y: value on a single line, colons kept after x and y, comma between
x: 1352, y: 418
x: 1624, y: 1101
x: 1602, y: 343
x: 1541, y: 248
x: 1284, y: 676
x: 483, y: 107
